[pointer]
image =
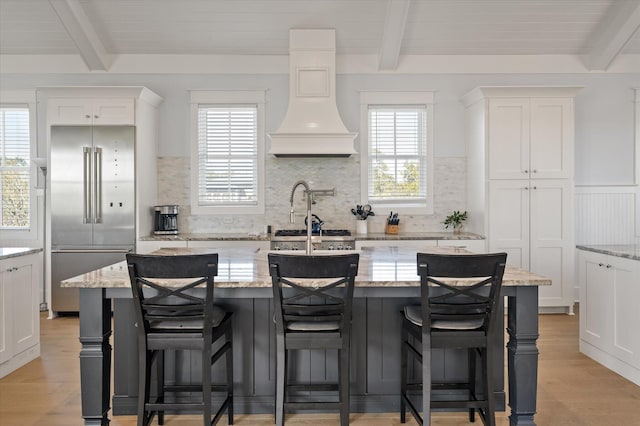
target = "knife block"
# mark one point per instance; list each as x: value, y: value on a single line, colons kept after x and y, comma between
x: 391, y: 229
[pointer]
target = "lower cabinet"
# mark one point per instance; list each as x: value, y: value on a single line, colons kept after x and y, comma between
x: 20, y: 279
x: 145, y: 247
x: 609, y: 314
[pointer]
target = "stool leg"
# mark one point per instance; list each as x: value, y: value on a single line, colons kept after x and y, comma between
x: 426, y: 378
x: 490, y: 414
x: 160, y: 386
x: 229, y: 361
x: 206, y: 382
x: 471, y: 378
x: 344, y: 384
x: 404, y: 337
x: 281, y: 366
x: 143, y: 384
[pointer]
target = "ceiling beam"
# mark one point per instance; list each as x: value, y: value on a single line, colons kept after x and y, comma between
x: 615, y: 30
x: 394, y: 25
x: 83, y: 34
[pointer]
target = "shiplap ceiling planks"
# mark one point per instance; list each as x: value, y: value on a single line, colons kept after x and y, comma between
x: 98, y: 30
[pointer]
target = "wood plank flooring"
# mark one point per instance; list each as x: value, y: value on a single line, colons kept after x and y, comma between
x: 573, y: 390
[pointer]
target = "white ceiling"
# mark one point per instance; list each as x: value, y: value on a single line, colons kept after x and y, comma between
x: 596, y: 30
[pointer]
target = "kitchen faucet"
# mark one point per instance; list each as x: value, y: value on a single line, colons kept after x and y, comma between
x: 311, y: 194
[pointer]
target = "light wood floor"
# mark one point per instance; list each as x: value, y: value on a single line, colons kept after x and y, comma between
x: 572, y: 389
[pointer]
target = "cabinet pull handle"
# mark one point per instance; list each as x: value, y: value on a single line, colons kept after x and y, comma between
x: 526, y: 188
x: 87, y: 116
x: 601, y: 264
x: 609, y: 266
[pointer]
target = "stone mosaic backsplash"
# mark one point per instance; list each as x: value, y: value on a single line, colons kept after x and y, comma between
x: 343, y: 174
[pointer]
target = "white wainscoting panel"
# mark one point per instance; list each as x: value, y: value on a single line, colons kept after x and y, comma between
x: 607, y: 215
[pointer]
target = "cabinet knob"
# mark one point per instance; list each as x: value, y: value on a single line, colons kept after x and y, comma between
x: 526, y: 171
x: 535, y: 187
x: 601, y: 264
x: 609, y: 266
x: 87, y: 116
x: 95, y: 116
x: 534, y: 171
x: 526, y: 188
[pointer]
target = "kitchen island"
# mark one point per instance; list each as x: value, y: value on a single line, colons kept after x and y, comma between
x: 386, y: 281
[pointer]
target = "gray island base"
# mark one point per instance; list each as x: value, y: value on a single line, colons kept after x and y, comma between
x: 386, y: 281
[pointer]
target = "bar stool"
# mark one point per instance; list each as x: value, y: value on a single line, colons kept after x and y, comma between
x: 313, y: 297
x: 171, y: 316
x: 459, y: 296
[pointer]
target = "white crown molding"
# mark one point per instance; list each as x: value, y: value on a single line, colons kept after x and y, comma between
x: 345, y: 64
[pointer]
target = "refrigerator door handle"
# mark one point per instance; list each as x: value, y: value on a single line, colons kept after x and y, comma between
x: 86, y: 185
x: 97, y: 183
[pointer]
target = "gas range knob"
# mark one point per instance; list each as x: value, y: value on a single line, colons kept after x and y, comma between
x: 331, y: 248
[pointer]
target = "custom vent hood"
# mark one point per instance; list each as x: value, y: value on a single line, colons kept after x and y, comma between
x: 312, y: 126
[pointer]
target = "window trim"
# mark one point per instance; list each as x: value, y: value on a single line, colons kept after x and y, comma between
x: 26, y: 98
x: 398, y: 99
x: 198, y: 97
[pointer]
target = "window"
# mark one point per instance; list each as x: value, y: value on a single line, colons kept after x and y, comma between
x: 397, y: 150
x: 227, y: 152
x: 16, y: 207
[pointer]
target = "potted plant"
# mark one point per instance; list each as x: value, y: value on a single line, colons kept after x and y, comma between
x: 455, y: 220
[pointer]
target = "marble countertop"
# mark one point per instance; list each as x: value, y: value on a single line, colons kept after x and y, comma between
x: 248, y: 268
x: 8, y: 252
x: 358, y: 237
x: 629, y: 251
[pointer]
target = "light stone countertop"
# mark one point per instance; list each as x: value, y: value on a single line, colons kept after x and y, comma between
x: 629, y: 251
x: 248, y: 268
x: 443, y: 235
x: 8, y: 252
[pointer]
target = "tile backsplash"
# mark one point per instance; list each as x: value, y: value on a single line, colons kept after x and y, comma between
x: 281, y: 173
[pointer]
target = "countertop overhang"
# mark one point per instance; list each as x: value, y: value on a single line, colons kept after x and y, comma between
x: 248, y: 268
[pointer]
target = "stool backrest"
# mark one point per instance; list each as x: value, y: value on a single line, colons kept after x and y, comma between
x: 460, y: 287
x: 312, y: 288
x: 163, y: 286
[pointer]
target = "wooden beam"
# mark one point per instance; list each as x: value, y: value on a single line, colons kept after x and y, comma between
x: 83, y: 33
x: 394, y: 25
x: 617, y: 27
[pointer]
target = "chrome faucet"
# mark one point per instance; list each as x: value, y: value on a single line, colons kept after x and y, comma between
x: 311, y: 194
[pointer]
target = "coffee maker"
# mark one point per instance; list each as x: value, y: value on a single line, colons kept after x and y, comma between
x: 165, y: 220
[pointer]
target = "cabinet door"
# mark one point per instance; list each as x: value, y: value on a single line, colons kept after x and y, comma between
x: 596, y: 300
x: 6, y: 349
x: 508, y: 135
x: 25, y: 299
x: 85, y: 111
x: 70, y: 111
x: 113, y: 112
x: 551, y: 143
x: 509, y: 220
x: 625, y: 289
x: 551, y: 237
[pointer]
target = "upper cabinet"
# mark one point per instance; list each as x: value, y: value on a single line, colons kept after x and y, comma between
x: 87, y: 111
x: 530, y: 138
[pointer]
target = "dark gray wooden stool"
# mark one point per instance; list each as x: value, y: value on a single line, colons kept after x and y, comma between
x: 314, y: 314
x: 170, y: 316
x: 459, y: 299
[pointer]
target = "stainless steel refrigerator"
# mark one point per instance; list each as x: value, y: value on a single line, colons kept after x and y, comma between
x: 92, y: 173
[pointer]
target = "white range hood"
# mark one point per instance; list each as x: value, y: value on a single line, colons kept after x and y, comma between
x: 312, y: 126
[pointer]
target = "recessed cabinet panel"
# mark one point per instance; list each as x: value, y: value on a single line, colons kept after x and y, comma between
x: 508, y: 138
x: 595, y: 297
x: 626, y: 319
x: 6, y: 350
x: 551, y: 146
x: 87, y: 111
x: 549, y: 261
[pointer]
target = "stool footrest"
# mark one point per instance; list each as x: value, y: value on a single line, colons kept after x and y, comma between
x: 295, y: 387
x: 312, y: 405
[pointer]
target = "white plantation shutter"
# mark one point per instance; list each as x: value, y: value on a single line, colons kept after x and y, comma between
x: 15, y: 140
x: 397, y: 163
x: 227, y: 155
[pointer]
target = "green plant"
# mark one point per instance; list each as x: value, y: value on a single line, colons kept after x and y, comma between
x: 455, y: 219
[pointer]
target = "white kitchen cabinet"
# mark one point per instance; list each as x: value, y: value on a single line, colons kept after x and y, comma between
x: 417, y: 244
x: 87, y: 111
x: 609, y: 314
x: 530, y: 220
x: 520, y: 144
x: 530, y: 137
x: 20, y: 279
